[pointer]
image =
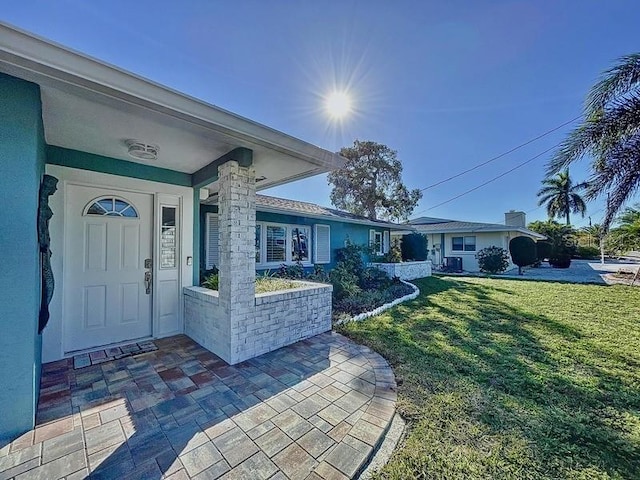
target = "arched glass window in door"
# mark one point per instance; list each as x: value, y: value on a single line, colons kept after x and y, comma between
x: 110, y: 207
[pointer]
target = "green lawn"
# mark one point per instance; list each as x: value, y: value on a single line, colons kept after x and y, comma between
x: 513, y: 379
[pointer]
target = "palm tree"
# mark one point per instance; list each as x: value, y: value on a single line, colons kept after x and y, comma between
x: 593, y: 232
x: 610, y: 135
x: 561, y: 196
x: 626, y: 236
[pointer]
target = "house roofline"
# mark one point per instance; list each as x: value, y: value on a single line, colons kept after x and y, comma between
x: 40, y: 60
x: 329, y: 218
x: 495, y: 229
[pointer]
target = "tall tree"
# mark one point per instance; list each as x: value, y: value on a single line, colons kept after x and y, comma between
x: 626, y: 235
x: 610, y: 135
x: 562, y: 197
x: 370, y: 183
x: 594, y: 232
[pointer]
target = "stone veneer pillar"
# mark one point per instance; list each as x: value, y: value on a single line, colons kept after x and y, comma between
x: 237, y: 261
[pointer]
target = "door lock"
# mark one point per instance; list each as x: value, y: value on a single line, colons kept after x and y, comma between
x: 147, y: 282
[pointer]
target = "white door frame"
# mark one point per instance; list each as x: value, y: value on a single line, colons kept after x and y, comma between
x: 66, y: 273
x: 52, y: 338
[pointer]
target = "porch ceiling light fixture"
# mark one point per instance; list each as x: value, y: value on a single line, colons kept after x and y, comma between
x: 261, y: 178
x: 141, y: 150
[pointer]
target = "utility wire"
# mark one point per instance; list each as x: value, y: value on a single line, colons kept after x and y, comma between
x: 521, y: 164
x: 501, y: 155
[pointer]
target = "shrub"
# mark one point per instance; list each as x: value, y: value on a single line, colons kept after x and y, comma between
x: 295, y: 271
x: 561, y: 260
x: 372, y: 278
x: 394, y: 255
x: 204, y: 274
x: 523, y: 252
x: 493, y: 260
x: 414, y: 247
x: 543, y: 249
x: 211, y: 281
x: 587, y: 252
x: 351, y: 257
x: 344, y: 281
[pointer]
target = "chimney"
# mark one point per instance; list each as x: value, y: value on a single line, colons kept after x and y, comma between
x: 515, y: 219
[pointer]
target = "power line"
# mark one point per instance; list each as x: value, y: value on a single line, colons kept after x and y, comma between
x: 491, y: 180
x: 501, y: 155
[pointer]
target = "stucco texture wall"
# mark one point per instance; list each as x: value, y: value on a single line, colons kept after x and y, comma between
x: 483, y: 240
x: 22, y: 158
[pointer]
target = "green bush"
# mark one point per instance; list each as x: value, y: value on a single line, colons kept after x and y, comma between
x: 351, y: 257
x: 414, y: 247
x: 587, y: 252
x: 295, y: 271
x: 204, y: 274
x: 211, y: 281
x: 523, y: 252
x: 372, y: 279
x: 493, y: 260
x: 394, y: 255
x: 344, y: 281
x: 560, y: 260
x: 543, y: 249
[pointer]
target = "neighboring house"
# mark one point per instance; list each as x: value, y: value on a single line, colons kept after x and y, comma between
x: 288, y: 231
x: 134, y: 160
x: 453, y: 238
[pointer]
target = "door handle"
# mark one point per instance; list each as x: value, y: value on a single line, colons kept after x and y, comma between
x: 147, y: 282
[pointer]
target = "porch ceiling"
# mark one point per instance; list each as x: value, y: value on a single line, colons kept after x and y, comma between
x: 94, y: 107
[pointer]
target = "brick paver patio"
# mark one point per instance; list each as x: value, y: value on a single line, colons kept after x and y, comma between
x: 316, y: 409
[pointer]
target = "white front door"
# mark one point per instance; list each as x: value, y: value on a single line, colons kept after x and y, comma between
x: 108, y: 237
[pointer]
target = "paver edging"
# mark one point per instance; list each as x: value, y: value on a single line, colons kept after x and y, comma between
x: 378, y: 362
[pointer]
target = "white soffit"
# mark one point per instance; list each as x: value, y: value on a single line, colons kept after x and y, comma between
x: 94, y: 107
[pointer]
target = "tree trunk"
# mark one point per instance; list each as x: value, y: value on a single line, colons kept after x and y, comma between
x: 568, y: 220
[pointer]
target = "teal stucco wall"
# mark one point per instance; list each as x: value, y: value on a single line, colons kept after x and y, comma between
x: 340, y: 231
x: 22, y: 158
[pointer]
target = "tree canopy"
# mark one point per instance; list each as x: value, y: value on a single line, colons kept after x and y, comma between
x: 562, y: 197
x: 626, y: 235
x: 370, y: 183
x: 610, y: 135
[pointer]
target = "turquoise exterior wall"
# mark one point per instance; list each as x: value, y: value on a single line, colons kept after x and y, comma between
x: 22, y: 158
x: 340, y: 231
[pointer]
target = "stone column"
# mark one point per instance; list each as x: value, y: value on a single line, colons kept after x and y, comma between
x: 237, y: 221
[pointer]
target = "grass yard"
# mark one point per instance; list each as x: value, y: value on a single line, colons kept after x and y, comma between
x: 514, y: 379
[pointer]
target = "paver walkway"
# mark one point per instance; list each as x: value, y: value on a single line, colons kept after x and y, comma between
x: 316, y: 409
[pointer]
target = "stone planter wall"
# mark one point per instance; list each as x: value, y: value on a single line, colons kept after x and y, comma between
x: 405, y: 270
x: 278, y: 319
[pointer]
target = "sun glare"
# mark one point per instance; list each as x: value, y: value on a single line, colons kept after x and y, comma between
x: 338, y: 104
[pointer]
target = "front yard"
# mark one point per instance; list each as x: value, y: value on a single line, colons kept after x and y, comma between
x: 513, y: 379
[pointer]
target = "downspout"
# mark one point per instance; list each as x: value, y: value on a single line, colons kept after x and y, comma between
x: 442, y: 249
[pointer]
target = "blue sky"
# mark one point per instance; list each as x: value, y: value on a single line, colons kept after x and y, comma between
x: 446, y: 84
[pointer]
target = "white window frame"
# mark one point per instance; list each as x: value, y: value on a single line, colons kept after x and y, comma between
x: 464, y: 244
x: 373, y: 235
x: 288, y: 257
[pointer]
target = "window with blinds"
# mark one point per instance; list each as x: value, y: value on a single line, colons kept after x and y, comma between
x: 276, y: 244
x: 212, y: 258
x: 322, y: 240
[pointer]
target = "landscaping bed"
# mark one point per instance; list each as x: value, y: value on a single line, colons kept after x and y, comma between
x: 513, y: 379
x: 264, y: 284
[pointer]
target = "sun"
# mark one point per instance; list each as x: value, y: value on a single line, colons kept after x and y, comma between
x: 338, y: 104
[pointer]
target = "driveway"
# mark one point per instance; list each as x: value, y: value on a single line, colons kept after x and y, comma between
x: 580, y: 271
x: 316, y: 409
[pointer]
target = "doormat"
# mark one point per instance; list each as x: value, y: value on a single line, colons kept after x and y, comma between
x: 116, y: 353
